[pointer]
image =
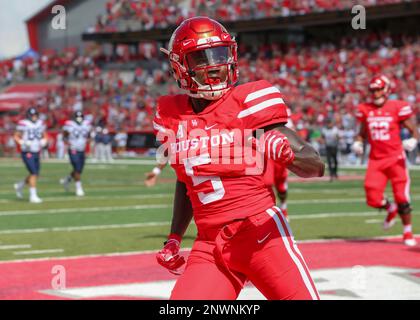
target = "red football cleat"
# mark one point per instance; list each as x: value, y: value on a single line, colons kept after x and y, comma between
x: 409, y: 239
x: 390, y: 218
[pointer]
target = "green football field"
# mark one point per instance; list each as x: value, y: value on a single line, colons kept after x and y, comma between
x: 120, y: 214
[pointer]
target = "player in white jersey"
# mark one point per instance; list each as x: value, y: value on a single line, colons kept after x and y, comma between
x: 76, y: 134
x: 30, y: 135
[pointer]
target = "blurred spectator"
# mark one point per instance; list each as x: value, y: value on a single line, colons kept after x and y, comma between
x: 121, y: 141
x: 98, y: 144
x: 107, y: 146
x: 60, y: 146
x: 331, y: 137
x: 10, y: 147
x: 347, y: 135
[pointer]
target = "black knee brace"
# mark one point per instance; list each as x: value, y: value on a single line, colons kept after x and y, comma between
x: 404, y: 208
x: 282, y: 195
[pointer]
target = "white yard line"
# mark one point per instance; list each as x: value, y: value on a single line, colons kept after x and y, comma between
x: 129, y: 253
x: 112, y: 254
x: 38, y: 251
x: 92, y: 209
x: 85, y: 228
x: 162, y: 223
x: 364, y: 166
x: 373, y: 221
x: 347, y: 200
x: 15, y: 246
x: 90, y: 198
x: 333, y: 214
x: 157, y: 196
x: 353, y: 239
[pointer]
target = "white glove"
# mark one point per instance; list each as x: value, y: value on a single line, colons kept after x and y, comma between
x: 44, y: 142
x: 357, y: 148
x: 410, y: 144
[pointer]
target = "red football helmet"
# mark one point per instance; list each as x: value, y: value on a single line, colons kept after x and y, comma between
x: 203, y: 58
x: 379, y: 83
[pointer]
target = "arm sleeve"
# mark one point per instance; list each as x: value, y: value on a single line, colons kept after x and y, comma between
x: 405, y: 111
x: 262, y: 104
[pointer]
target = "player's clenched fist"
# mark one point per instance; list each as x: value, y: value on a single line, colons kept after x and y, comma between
x: 169, y: 256
x: 277, y: 147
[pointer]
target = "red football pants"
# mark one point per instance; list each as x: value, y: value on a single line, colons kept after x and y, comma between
x: 377, y: 175
x: 260, y: 249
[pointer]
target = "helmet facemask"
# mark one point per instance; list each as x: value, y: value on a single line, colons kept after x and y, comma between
x: 212, y: 72
x: 378, y: 100
x: 381, y: 85
x: 78, y: 117
x: 32, y: 115
x: 203, y: 57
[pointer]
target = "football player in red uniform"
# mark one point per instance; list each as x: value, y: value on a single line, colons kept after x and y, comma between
x: 242, y: 235
x: 381, y: 121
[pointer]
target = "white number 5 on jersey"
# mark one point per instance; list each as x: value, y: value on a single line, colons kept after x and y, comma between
x: 219, y: 190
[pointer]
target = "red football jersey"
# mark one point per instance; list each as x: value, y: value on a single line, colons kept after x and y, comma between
x: 208, y: 149
x: 383, y: 126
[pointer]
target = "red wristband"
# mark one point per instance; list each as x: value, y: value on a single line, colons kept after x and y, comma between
x: 175, y: 237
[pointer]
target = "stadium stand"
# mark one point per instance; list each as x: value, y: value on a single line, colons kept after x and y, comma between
x: 135, y: 15
x: 320, y: 79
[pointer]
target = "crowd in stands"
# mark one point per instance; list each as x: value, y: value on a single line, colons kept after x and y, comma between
x: 323, y: 81
x: 320, y: 82
x: 134, y: 15
x: 231, y: 10
x: 112, y: 99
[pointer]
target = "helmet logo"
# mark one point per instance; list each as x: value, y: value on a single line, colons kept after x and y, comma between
x: 187, y: 42
x: 208, y: 40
